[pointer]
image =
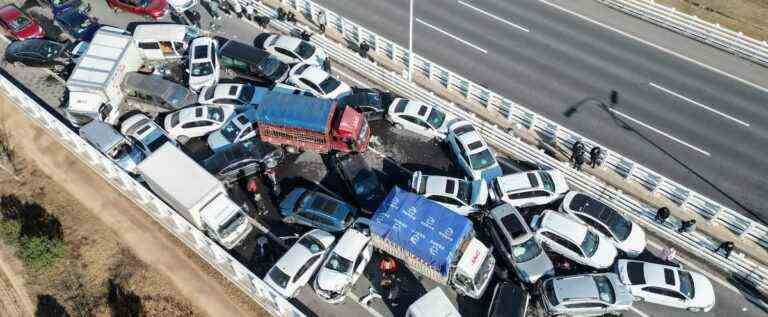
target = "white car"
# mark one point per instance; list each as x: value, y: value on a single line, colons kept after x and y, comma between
x: 419, y: 118
x: 296, y: 267
x: 667, y: 285
x: 463, y: 197
x: 231, y: 94
x: 345, y: 263
x: 149, y: 135
x: 530, y: 188
x: 472, y: 153
x: 238, y: 127
x: 292, y: 50
x: 315, y: 79
x: 192, y: 122
x: 204, y: 65
x: 625, y: 234
x: 575, y: 241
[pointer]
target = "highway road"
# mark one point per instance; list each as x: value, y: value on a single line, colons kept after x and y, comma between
x: 703, y: 126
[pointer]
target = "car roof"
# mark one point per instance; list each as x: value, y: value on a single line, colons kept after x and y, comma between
x: 188, y: 114
x: 291, y: 261
x: 350, y: 244
x: 471, y: 138
x: 586, y: 204
x: 442, y: 185
x: 515, y: 182
x: 510, y: 220
x: 661, y: 275
x: 413, y: 107
x: 557, y: 222
x: 288, y: 42
x: 243, y: 52
x: 327, y: 205
x: 580, y: 287
x: 223, y: 90
x: 314, y: 74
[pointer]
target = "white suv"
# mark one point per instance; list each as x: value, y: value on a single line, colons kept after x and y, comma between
x: 291, y: 50
x: 419, y: 118
x: 667, y: 285
x: 472, y: 153
x: 192, y: 122
x: 203, y: 63
x: 530, y: 188
x: 566, y: 236
x: 461, y: 196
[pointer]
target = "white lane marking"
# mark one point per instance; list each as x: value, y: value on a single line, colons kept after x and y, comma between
x: 691, y: 265
x: 452, y: 36
x: 639, y: 312
x: 726, y: 74
x: 495, y: 17
x: 660, y: 132
x: 697, y: 103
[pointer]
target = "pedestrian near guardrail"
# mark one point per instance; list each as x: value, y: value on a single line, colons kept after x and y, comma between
x: 321, y: 21
x: 662, y: 214
x: 577, y: 154
x: 364, y: 48
x: 726, y: 246
x: 596, y: 156
x: 687, y: 226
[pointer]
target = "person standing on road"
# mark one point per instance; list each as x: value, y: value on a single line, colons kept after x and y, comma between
x: 596, y: 156
x: 662, y: 214
x: 726, y: 246
x: 364, y: 48
x: 687, y: 226
x: 321, y: 21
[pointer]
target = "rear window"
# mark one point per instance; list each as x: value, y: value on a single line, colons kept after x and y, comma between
x: 401, y: 105
x: 605, y: 289
x: 549, y: 290
x: 325, y: 205
x: 175, y: 119
x: 463, y: 129
x: 513, y: 225
x: 475, y: 145
x: 533, y: 180
x: 201, y: 52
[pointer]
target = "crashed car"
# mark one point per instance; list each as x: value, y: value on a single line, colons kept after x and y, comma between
x: 345, y: 263
x: 242, y: 159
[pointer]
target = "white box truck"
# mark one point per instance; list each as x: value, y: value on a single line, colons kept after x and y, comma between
x: 195, y: 194
x: 94, y: 86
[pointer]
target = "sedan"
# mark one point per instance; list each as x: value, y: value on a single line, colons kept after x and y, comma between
x: 419, y: 118
x: 667, y: 285
x: 472, y: 153
x: 192, y: 122
x: 532, y: 188
x: 18, y: 25
x: 625, y: 234
x: 317, y: 210
x: 585, y: 295
x: 372, y: 102
x: 39, y: 52
x: 243, y: 159
x: 238, y: 127
x: 318, y: 81
x: 361, y: 180
x: 77, y: 23
x: 345, y: 263
x: 292, y: 50
x: 463, y: 197
x: 231, y: 94
x: 149, y: 135
x: 204, y: 66
x: 154, y: 9
x: 296, y: 267
x: 577, y: 242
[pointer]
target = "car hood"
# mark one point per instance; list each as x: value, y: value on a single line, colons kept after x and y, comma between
x: 490, y: 173
x: 533, y: 270
x: 605, y: 254
x: 129, y: 161
x: 479, y: 193
x: 704, y: 297
x: 635, y: 242
x: 33, y: 30
x: 330, y: 280
x: 217, y: 140
x: 561, y: 185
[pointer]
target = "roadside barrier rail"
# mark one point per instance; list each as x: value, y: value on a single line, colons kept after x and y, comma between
x: 696, y: 243
x: 193, y: 238
x: 692, y: 26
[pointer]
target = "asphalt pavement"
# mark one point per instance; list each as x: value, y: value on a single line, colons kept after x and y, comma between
x: 700, y: 127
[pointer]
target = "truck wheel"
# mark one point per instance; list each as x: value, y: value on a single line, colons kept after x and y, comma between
x: 183, y: 139
x: 292, y: 149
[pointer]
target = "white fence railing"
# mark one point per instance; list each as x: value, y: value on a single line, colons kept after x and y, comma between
x: 211, y: 252
x: 695, y: 28
x: 697, y: 243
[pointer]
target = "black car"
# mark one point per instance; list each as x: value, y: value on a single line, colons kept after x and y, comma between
x: 509, y: 300
x: 361, y: 181
x: 242, y: 159
x: 251, y: 63
x: 372, y: 102
x: 39, y: 52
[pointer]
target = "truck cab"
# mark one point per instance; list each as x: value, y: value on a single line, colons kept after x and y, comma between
x: 474, y: 269
x: 84, y: 107
x: 225, y: 221
x: 163, y: 42
x: 351, y: 133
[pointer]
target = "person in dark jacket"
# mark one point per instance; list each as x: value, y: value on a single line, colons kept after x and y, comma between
x: 687, y: 226
x: 726, y: 246
x: 596, y: 156
x: 662, y: 214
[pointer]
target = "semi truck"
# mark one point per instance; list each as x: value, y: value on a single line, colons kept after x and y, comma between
x: 94, y: 91
x: 304, y: 123
x: 433, y: 241
x: 195, y: 195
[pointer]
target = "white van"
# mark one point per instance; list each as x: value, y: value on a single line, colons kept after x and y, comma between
x: 163, y: 42
x: 433, y: 304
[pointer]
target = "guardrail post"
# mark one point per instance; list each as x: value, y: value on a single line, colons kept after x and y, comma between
x: 744, y: 233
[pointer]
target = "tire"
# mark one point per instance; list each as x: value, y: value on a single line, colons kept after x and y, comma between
x: 638, y: 299
x: 183, y: 139
x: 292, y: 149
x: 397, y: 126
x: 694, y: 309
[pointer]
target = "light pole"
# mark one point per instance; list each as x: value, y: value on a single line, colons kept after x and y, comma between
x: 410, y: 43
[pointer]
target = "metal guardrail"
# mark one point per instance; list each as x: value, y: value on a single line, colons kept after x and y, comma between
x: 697, y: 243
x: 695, y: 28
x: 193, y: 238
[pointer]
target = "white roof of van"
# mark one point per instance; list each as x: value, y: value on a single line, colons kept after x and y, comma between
x: 102, y: 56
x: 433, y: 304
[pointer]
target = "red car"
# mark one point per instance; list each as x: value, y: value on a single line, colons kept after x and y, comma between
x: 155, y: 9
x: 18, y: 25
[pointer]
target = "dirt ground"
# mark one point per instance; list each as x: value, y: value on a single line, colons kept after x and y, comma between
x: 119, y: 261
x: 747, y: 16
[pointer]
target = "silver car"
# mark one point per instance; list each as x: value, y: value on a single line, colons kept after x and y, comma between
x: 517, y: 245
x: 585, y: 295
x: 114, y: 145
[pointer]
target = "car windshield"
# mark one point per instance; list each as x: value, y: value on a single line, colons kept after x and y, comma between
x: 464, y: 192
x: 686, y: 284
x: 230, y: 131
x: 305, y: 50
x: 246, y: 94
x: 365, y: 182
x: 157, y: 142
x: 269, y: 66
x: 20, y: 23
x: 485, y: 269
x: 50, y: 49
x: 525, y: 251
x: 605, y: 289
x: 338, y: 263
x: 215, y: 114
x: 620, y: 226
x: 589, y: 245
x: 481, y: 160
x: 175, y: 118
x: 547, y: 181
x: 202, y: 69
x: 312, y: 244
x: 279, y: 277
x: 231, y: 225
x: 329, y: 84
x: 436, y: 118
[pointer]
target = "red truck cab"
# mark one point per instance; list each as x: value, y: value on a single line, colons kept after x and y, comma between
x: 352, y: 133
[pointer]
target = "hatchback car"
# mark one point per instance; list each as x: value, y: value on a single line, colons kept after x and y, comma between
x: 345, y: 263
x: 517, y: 245
x: 585, y: 295
x: 203, y: 63
x: 419, y: 118
x: 575, y: 241
x: 77, y: 23
x: 318, y: 210
x: 667, y: 285
x: 318, y: 81
x: 18, y: 25
x: 292, y: 50
x: 463, y: 197
x: 251, y: 63
x: 372, y: 102
x: 509, y: 300
x: 361, y: 181
x: 296, y: 267
x: 243, y: 159
x: 154, y: 9
x: 239, y: 127
x: 39, y: 52
x: 472, y: 153
x: 237, y: 95
x: 625, y: 234
x: 192, y: 122
x: 531, y: 188
x: 149, y: 135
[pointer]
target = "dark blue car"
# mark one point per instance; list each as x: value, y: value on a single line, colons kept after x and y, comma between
x: 57, y: 6
x: 77, y: 23
x: 317, y: 210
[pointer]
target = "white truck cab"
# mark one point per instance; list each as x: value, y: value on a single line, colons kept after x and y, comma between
x: 163, y: 42
x: 474, y: 268
x: 433, y: 304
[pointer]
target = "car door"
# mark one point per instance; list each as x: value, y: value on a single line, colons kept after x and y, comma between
x: 564, y: 247
x: 306, y: 271
x: 502, y: 244
x: 415, y: 125
x: 362, y: 261
x: 215, y: 62
x: 664, y: 296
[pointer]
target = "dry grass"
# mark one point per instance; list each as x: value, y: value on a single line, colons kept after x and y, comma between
x: 747, y: 16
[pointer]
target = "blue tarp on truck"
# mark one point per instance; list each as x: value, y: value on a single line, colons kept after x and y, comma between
x: 421, y: 227
x: 295, y: 111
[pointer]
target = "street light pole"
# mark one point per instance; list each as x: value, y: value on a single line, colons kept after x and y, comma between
x: 410, y: 43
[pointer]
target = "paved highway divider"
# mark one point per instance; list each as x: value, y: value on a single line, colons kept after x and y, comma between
x: 206, y: 248
x: 697, y: 243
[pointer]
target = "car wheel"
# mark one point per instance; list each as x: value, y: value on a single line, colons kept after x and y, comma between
x: 183, y: 139
x: 398, y: 126
x: 292, y: 149
x: 694, y: 309
x: 638, y: 299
